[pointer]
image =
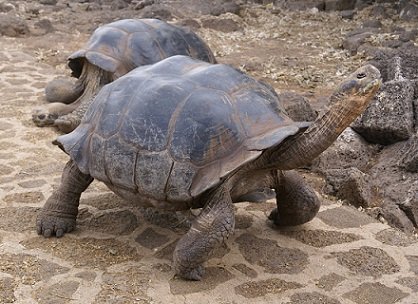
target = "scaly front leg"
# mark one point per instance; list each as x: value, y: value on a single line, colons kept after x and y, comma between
x: 297, y: 202
x: 58, y: 216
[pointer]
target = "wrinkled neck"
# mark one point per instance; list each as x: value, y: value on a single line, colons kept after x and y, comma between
x: 93, y: 78
x: 301, y: 149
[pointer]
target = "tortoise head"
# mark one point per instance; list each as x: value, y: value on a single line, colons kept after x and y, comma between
x: 42, y: 118
x: 349, y: 100
x: 358, y: 89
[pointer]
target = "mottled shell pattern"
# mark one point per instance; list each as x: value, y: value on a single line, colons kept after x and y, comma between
x: 172, y: 130
x: 123, y: 45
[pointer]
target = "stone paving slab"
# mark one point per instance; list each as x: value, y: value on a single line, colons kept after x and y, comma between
x: 122, y: 254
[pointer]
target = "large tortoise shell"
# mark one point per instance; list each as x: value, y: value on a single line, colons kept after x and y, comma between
x: 123, y: 45
x: 172, y: 130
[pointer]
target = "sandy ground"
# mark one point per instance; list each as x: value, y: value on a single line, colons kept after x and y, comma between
x: 122, y: 254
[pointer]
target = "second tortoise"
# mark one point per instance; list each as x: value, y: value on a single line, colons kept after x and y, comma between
x: 113, y: 50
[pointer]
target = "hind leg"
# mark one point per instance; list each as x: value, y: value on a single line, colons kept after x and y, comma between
x: 47, y: 114
x: 297, y: 202
x: 62, y: 97
x: 67, y: 123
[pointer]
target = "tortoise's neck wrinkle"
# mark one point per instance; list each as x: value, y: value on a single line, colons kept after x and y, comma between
x: 301, y: 149
x: 92, y: 79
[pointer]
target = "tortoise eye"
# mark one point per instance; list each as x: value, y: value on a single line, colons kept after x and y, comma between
x: 361, y: 75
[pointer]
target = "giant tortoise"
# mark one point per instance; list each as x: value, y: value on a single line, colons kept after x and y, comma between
x: 113, y: 50
x: 183, y: 134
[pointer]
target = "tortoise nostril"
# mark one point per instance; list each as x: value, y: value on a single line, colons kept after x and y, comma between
x: 361, y: 75
x: 41, y: 117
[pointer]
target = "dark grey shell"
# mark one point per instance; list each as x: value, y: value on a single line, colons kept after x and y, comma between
x: 123, y: 45
x: 172, y: 130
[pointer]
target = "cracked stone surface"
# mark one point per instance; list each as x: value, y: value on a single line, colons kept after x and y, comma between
x: 375, y: 293
x: 314, y: 298
x: 322, y: 238
x: 368, y: 261
x: 121, y: 254
x: 254, y: 289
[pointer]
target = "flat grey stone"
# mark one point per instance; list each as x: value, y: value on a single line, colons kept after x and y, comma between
x: 297, y: 106
x: 352, y: 185
x: 375, y: 293
x: 348, y: 150
x: 345, y: 217
x: 390, y: 116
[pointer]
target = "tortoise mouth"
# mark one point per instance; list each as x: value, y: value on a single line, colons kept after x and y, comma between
x: 44, y: 119
x: 372, y: 86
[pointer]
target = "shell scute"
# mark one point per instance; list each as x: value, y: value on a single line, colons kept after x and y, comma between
x: 172, y: 42
x: 258, y: 113
x: 195, y: 46
x: 180, y: 181
x: 143, y: 49
x: 147, y: 124
x: 120, y: 46
x: 119, y: 162
x: 186, y: 131
x: 134, y: 25
x: 202, y: 138
x: 95, y: 159
x: 152, y: 173
x: 112, y: 108
x: 222, y: 78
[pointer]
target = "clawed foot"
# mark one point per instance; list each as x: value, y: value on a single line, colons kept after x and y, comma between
x: 49, y: 225
x: 189, y: 255
x: 42, y: 118
x: 64, y: 125
x: 193, y: 274
x: 282, y: 219
x: 274, y: 216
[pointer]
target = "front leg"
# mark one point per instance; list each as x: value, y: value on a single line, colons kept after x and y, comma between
x: 67, y: 123
x: 46, y: 115
x: 59, y: 213
x: 210, y: 229
x: 297, y: 202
